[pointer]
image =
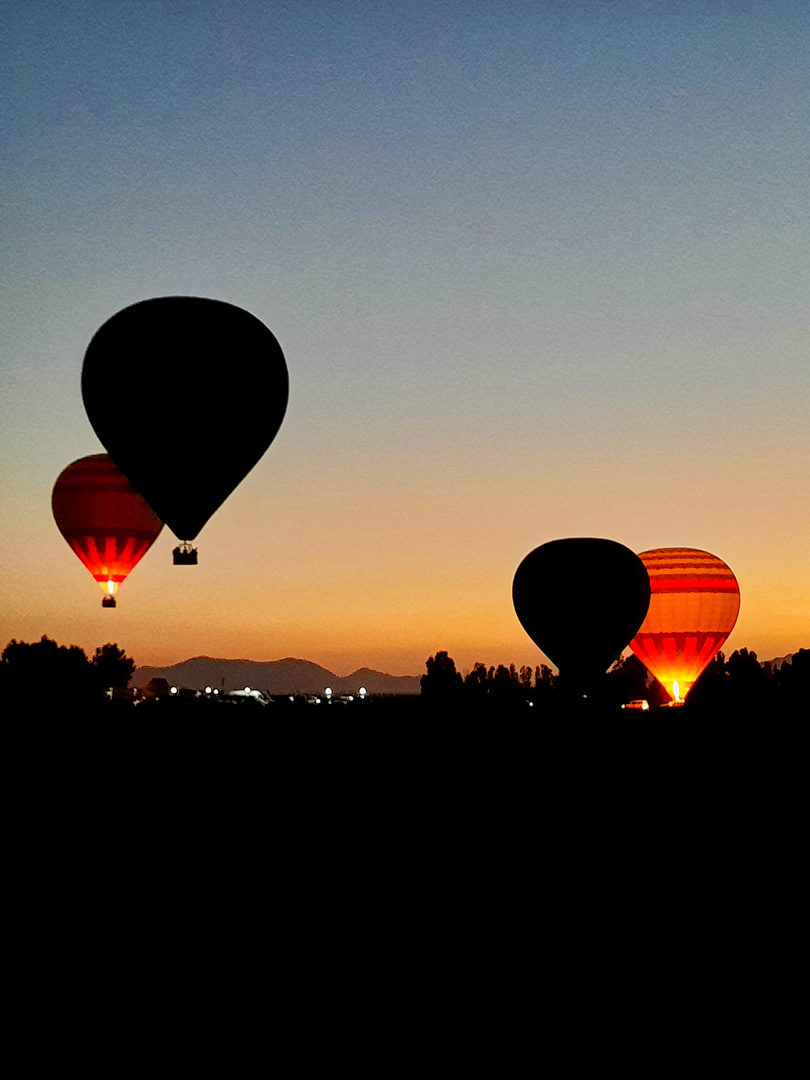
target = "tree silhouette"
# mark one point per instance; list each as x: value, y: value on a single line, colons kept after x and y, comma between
x: 442, y: 682
x: 749, y: 687
x: 711, y: 687
x: 475, y: 684
x: 505, y: 685
x: 155, y: 688
x: 113, y: 666
x: 793, y: 681
x: 46, y: 672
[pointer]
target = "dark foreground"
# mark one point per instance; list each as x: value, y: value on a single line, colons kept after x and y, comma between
x: 509, y: 856
x: 394, y: 739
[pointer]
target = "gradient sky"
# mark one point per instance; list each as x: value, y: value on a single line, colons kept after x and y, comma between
x: 538, y: 270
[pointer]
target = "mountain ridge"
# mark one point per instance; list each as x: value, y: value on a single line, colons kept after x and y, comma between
x: 778, y: 661
x: 290, y: 675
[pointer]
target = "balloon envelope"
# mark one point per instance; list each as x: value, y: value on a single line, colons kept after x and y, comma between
x: 108, y: 524
x: 581, y: 600
x: 186, y: 394
x: 693, y: 608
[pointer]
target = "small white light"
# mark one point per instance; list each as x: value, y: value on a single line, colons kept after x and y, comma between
x: 173, y: 690
x: 328, y: 692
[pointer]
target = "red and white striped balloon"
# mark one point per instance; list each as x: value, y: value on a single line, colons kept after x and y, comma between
x: 106, y: 522
x: 694, y: 604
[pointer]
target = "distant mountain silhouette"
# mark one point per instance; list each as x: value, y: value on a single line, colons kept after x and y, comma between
x: 777, y: 663
x: 288, y: 676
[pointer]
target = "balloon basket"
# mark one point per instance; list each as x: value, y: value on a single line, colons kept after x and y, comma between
x: 184, y: 555
x: 108, y: 601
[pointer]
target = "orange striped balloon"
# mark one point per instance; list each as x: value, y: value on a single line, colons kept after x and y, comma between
x: 694, y: 605
x: 106, y: 522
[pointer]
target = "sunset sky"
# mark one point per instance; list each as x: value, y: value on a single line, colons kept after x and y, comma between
x: 538, y: 270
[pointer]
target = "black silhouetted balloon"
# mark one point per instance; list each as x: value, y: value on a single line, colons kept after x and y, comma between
x: 186, y: 394
x: 581, y: 601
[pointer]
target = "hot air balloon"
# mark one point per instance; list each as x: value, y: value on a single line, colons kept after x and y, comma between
x: 693, y: 608
x: 581, y: 600
x: 108, y: 524
x: 186, y: 394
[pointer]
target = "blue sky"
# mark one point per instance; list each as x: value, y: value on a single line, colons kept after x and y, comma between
x: 539, y: 269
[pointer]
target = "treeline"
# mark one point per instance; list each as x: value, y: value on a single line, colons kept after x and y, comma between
x: 45, y: 672
x: 46, y: 676
x: 739, y: 684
